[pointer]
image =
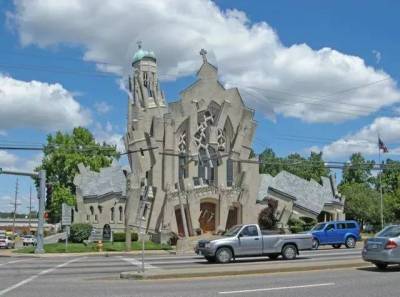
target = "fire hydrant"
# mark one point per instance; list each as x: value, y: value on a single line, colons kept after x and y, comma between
x: 99, y: 246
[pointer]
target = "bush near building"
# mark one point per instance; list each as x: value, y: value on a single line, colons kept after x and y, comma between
x: 120, y: 236
x: 301, y: 225
x: 80, y: 232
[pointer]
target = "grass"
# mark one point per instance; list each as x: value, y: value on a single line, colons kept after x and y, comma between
x: 82, y: 248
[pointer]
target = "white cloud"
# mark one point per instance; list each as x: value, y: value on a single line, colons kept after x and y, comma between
x: 378, y: 56
x: 38, y: 105
x: 108, y: 135
x: 250, y: 56
x: 9, y: 161
x: 365, y: 140
x: 102, y: 107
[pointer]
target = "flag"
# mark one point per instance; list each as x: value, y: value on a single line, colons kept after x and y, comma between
x: 382, y: 146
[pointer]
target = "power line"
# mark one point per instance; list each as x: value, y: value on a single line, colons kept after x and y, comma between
x: 315, y: 99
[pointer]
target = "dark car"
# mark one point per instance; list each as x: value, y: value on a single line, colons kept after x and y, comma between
x: 336, y: 233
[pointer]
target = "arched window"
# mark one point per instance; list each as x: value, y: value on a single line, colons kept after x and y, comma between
x: 100, y: 208
x: 91, y: 210
x: 121, y: 213
x: 229, y: 173
x: 112, y: 214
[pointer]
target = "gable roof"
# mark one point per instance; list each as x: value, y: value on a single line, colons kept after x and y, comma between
x: 309, y: 194
x: 97, y: 184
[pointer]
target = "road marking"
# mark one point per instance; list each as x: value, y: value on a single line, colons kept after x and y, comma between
x: 277, y: 288
x: 12, y: 262
x: 29, y: 279
x: 136, y: 262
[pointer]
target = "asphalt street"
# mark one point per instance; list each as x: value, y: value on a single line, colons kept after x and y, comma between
x: 99, y: 276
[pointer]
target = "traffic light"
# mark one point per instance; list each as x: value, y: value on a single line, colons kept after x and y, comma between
x: 49, y: 191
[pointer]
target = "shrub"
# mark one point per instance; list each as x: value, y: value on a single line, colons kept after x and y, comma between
x: 266, y: 218
x: 120, y: 236
x: 296, y: 225
x: 308, y: 223
x: 80, y: 232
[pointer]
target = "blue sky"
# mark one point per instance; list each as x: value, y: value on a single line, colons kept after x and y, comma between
x: 335, y: 100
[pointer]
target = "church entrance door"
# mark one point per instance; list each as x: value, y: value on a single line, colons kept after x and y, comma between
x: 207, y: 216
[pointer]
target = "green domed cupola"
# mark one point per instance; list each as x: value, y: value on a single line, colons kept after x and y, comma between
x: 140, y: 54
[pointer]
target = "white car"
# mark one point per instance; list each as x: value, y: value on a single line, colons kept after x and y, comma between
x: 6, y: 242
x: 28, y: 240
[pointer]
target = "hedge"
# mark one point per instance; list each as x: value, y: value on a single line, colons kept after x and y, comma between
x: 120, y: 236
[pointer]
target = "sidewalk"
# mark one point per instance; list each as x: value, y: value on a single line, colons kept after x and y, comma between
x: 9, y: 253
x: 213, y: 270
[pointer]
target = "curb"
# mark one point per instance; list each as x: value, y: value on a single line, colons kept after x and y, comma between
x: 163, y: 274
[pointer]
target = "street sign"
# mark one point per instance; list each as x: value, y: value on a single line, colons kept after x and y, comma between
x: 66, y: 215
x: 96, y: 235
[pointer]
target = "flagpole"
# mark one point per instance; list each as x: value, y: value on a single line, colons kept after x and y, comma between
x: 380, y: 180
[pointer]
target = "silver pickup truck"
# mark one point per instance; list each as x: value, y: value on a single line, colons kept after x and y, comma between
x: 250, y: 240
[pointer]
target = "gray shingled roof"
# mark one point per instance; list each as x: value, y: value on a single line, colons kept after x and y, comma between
x: 309, y: 194
x: 108, y: 180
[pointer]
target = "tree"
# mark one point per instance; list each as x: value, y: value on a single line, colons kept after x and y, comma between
x: 312, y: 167
x: 62, y: 154
x: 358, y: 171
x: 270, y: 163
x: 390, y: 177
x: 61, y: 194
x: 316, y: 167
x: 362, y: 202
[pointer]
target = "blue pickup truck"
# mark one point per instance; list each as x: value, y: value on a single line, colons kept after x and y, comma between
x: 336, y: 233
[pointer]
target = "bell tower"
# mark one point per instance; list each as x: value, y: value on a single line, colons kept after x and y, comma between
x: 144, y: 85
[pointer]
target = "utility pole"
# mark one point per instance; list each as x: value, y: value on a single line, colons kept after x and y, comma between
x: 15, y: 204
x: 30, y: 208
x: 42, y: 199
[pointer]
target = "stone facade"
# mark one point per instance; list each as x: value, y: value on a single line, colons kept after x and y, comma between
x: 101, y: 197
x: 191, y: 170
x: 190, y: 159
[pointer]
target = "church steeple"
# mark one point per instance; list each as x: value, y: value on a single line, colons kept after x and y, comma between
x: 146, y: 90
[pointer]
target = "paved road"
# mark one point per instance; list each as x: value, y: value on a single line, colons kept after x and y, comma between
x: 98, y: 276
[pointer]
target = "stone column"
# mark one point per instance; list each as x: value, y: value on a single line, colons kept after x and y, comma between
x: 224, y: 205
x: 194, y: 209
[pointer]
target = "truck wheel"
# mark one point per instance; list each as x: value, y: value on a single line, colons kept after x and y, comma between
x: 350, y: 242
x: 224, y: 255
x: 315, y: 244
x: 289, y: 252
x: 210, y: 259
x: 336, y: 246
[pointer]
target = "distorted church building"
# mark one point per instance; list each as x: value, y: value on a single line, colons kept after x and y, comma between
x: 191, y: 166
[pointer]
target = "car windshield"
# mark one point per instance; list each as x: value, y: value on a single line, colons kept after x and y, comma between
x: 233, y: 231
x: 391, y: 231
x: 318, y: 227
x: 28, y: 236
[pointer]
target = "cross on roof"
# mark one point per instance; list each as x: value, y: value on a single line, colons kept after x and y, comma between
x: 203, y: 53
x: 139, y: 44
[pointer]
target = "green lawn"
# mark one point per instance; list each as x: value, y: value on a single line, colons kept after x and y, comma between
x: 81, y: 248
